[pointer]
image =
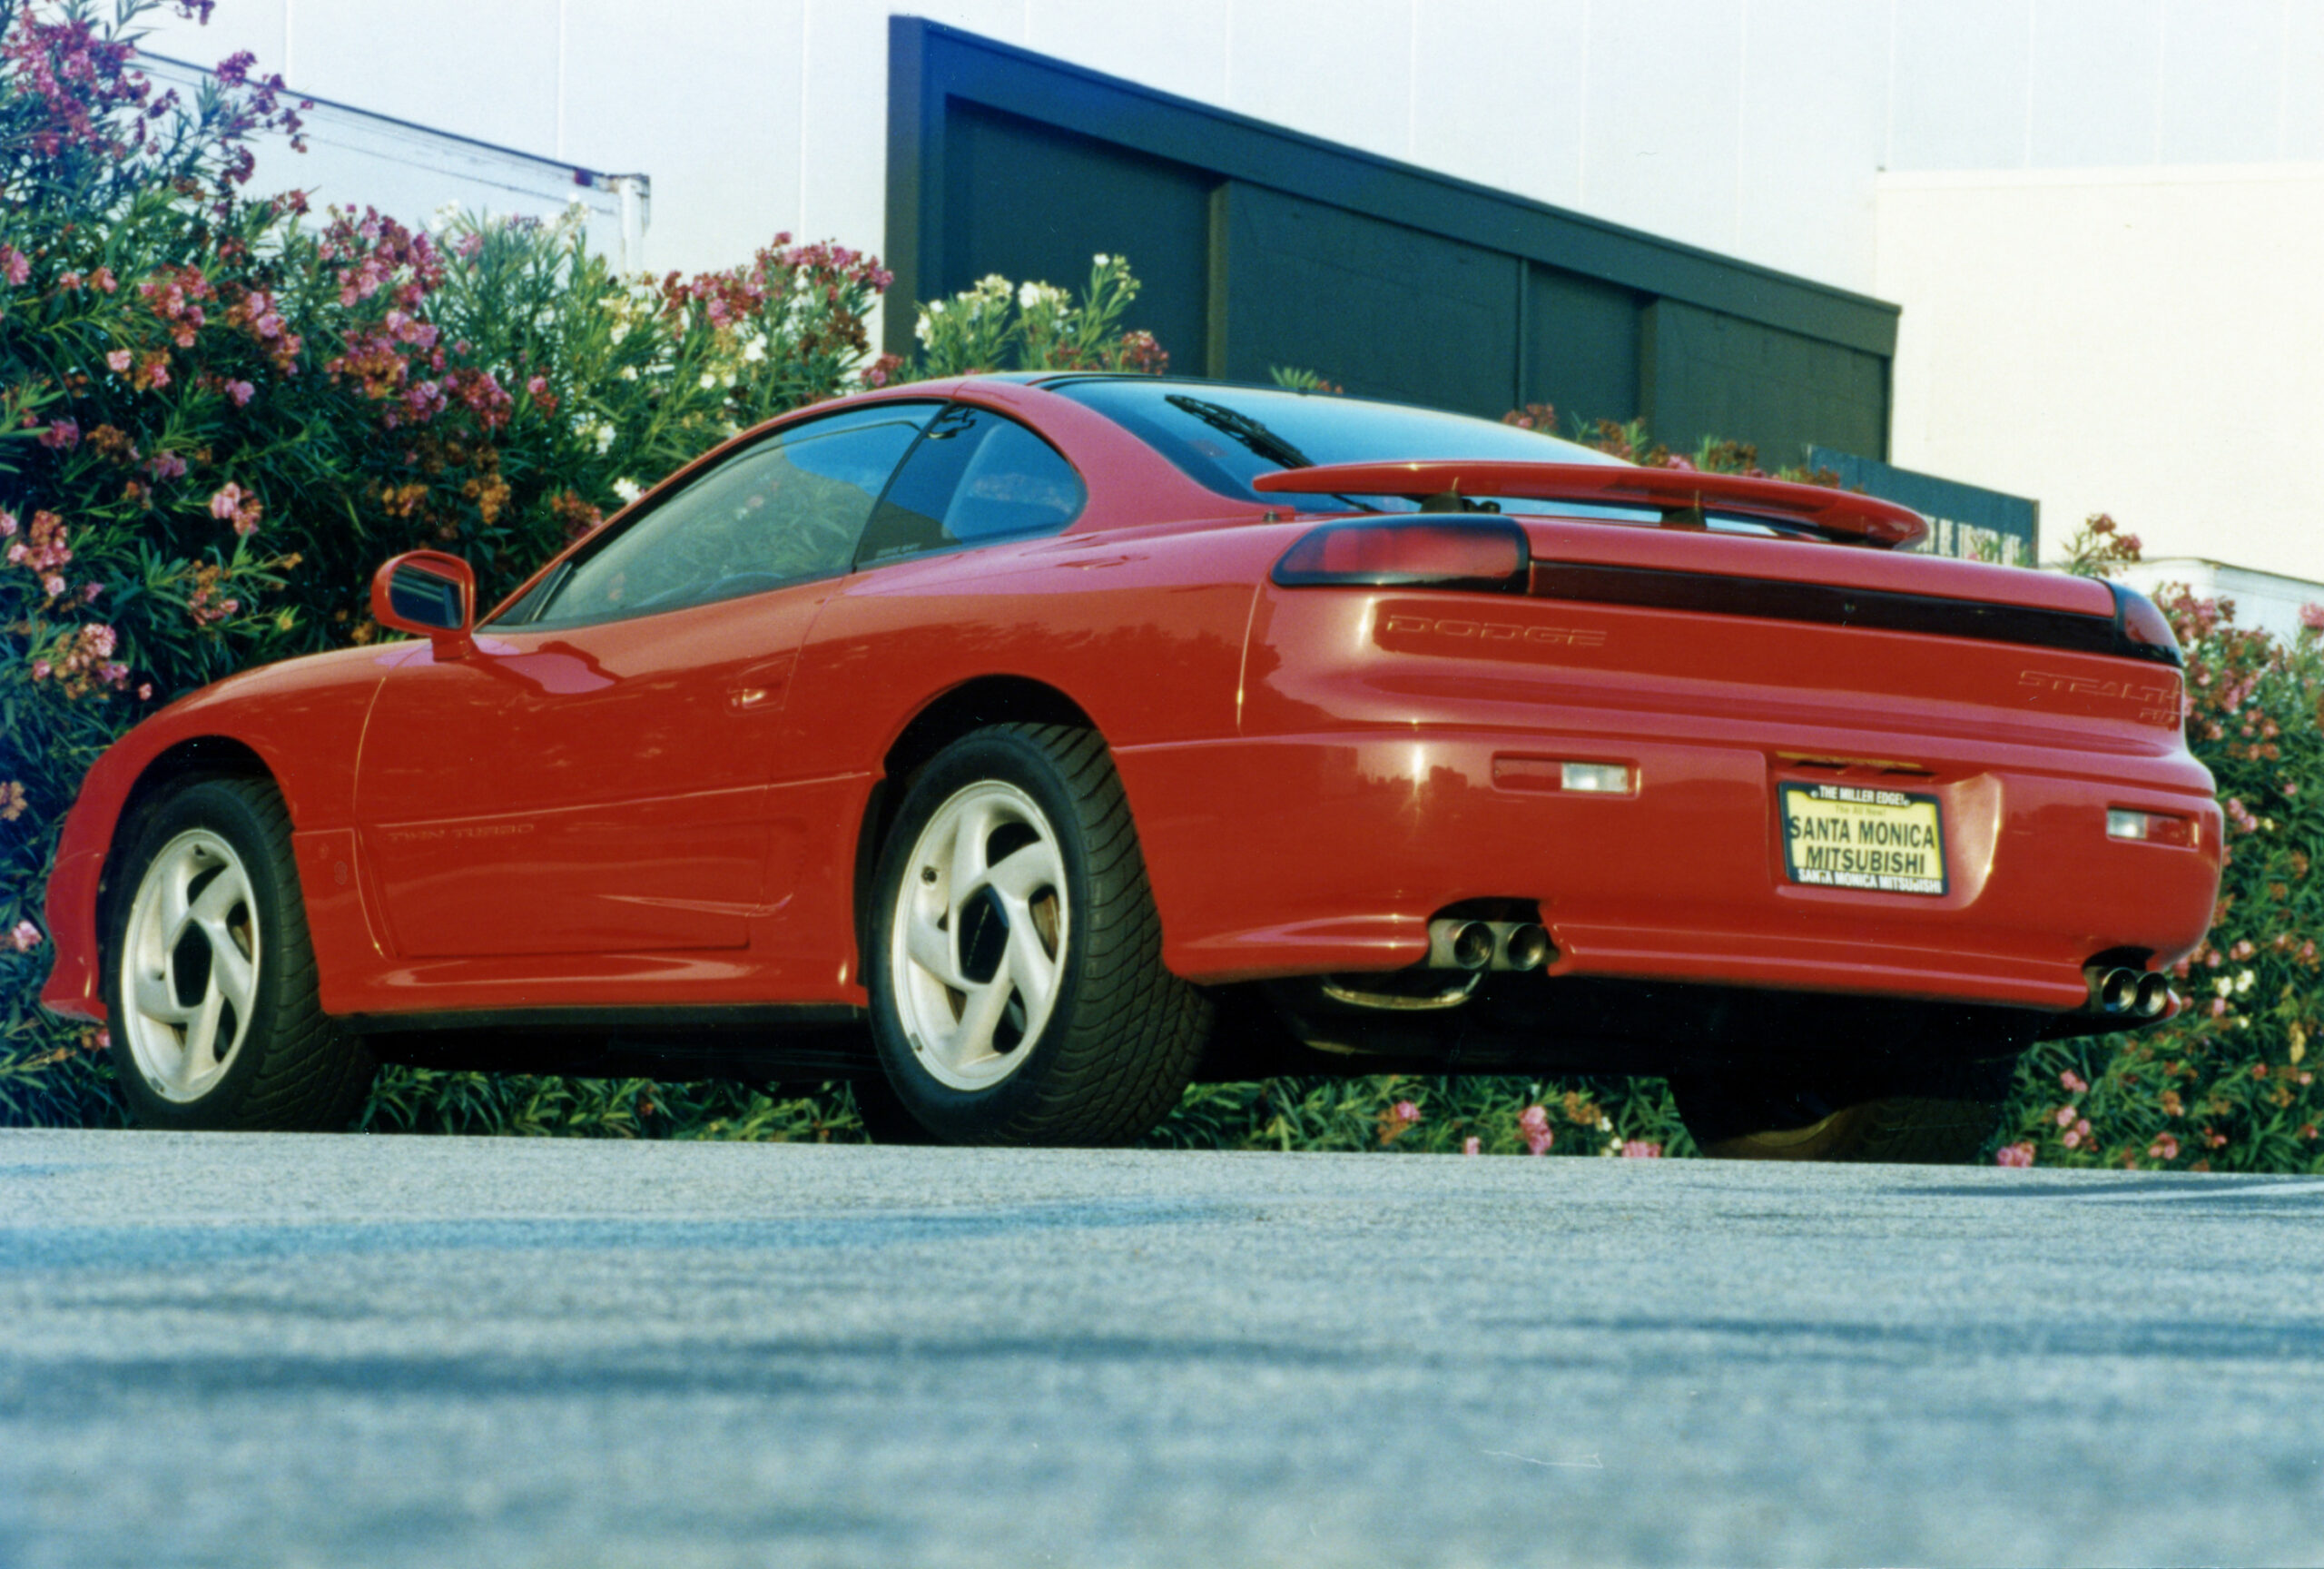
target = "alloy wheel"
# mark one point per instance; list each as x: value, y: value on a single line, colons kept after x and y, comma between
x: 978, y: 937
x: 190, y: 963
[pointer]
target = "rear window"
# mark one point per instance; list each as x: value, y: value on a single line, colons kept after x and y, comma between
x: 1224, y: 437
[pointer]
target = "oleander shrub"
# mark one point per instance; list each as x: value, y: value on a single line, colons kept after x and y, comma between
x: 2226, y: 1085
x: 998, y: 325
x: 217, y: 415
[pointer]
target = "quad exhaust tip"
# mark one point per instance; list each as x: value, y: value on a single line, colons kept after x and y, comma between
x: 2120, y: 991
x: 1475, y: 946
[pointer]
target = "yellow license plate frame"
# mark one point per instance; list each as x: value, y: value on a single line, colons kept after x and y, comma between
x: 1863, y: 839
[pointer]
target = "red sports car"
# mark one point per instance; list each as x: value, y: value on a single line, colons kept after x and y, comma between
x: 1025, y: 747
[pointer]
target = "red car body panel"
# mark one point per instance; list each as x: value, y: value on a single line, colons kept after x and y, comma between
x: 666, y: 810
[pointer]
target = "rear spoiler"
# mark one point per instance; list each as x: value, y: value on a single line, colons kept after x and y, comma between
x: 1842, y: 514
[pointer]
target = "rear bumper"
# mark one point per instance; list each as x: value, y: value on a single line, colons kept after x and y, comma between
x: 1296, y: 855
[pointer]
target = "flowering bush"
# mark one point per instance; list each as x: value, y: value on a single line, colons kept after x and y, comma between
x: 2225, y: 1085
x: 1628, y: 441
x: 215, y: 420
x: 1632, y: 1117
x: 997, y: 326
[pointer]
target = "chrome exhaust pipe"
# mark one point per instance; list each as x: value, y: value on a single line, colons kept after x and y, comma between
x: 1524, y: 946
x: 2155, y: 994
x: 1460, y: 945
x: 1457, y: 944
x: 2114, y: 988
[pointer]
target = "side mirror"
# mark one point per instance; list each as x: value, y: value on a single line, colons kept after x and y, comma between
x: 430, y: 593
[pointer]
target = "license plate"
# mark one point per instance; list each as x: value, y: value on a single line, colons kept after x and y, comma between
x: 1850, y: 836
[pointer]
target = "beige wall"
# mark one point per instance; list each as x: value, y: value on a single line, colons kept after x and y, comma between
x: 2144, y: 342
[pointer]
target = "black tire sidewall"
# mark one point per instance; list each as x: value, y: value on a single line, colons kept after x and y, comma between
x: 221, y: 808
x: 987, y: 1115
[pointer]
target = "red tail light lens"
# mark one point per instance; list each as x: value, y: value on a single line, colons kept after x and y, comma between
x: 1487, y: 555
x: 2145, y: 630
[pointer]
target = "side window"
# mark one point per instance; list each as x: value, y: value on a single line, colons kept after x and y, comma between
x: 786, y: 511
x: 976, y: 477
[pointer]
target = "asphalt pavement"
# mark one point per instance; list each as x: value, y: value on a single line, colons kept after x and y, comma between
x: 256, y: 1350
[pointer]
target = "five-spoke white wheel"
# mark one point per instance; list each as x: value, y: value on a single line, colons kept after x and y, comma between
x: 1015, y: 955
x: 980, y: 934
x: 189, y: 958
x: 210, y: 991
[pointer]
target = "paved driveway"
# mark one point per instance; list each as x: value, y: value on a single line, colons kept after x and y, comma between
x: 255, y: 1350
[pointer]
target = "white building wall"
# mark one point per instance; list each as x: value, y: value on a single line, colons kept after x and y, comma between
x: 2148, y: 343
x: 1779, y: 131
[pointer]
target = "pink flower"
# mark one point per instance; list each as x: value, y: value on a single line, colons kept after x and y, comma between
x: 121, y: 359
x: 1406, y: 1113
x: 2163, y: 1149
x: 15, y: 264
x: 2312, y: 617
x: 2073, y: 1138
x: 1640, y: 1149
x: 2072, y: 1081
x: 166, y: 465
x: 239, y: 392
x: 229, y: 502
x: 25, y: 937
x: 1473, y: 1145
x: 2065, y: 1116
x: 536, y: 385
x: 2014, y: 1155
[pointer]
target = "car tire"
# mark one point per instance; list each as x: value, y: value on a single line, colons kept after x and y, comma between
x: 1015, y: 963
x: 1939, y: 1116
x: 210, y: 976
x: 885, y: 1119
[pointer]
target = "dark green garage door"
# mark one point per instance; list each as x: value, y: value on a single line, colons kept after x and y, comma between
x: 1259, y: 247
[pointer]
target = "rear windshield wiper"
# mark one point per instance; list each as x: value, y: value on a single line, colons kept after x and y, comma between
x: 1255, y: 437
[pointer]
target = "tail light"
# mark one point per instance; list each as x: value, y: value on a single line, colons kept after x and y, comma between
x: 2142, y: 630
x: 1484, y: 555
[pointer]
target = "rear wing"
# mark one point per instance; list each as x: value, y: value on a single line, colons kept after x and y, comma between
x: 1841, y: 515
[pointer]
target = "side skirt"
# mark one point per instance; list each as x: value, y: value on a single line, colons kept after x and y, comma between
x: 749, y: 1043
